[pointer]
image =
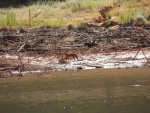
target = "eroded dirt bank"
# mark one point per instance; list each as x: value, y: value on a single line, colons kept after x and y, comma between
x: 42, y: 50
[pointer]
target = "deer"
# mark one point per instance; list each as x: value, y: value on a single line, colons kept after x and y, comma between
x: 70, y: 56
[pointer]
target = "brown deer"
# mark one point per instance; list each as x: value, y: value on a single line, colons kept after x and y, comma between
x: 70, y: 56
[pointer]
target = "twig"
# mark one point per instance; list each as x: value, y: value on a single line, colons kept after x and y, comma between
x: 21, y: 47
x: 140, y: 49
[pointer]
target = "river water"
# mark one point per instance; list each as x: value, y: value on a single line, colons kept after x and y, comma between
x: 90, y: 91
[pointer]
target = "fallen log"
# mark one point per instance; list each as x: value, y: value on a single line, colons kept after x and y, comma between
x: 94, y: 66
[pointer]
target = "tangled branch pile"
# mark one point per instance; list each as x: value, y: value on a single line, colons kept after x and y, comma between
x: 84, y: 39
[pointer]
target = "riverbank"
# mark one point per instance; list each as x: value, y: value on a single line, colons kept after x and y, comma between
x: 126, y: 59
x: 42, y: 50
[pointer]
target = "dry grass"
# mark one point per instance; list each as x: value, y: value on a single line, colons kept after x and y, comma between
x: 131, y: 10
x: 75, y: 12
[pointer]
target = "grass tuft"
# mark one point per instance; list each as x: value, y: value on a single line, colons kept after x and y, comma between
x: 11, y: 19
x: 60, y: 14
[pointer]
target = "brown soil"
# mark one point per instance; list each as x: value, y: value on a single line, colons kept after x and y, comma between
x: 47, y: 42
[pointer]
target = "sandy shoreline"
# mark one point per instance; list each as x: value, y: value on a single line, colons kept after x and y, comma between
x: 124, y: 59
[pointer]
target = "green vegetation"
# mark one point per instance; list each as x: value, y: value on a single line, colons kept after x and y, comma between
x: 61, y: 13
x: 131, y: 10
x: 11, y: 19
x: 90, y: 91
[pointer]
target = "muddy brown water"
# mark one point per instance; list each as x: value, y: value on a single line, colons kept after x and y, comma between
x: 89, y: 91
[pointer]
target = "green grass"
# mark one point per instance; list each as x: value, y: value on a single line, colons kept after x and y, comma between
x: 131, y: 10
x: 90, y: 91
x: 60, y: 14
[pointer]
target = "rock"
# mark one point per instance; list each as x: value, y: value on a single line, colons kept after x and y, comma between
x: 90, y: 44
x: 109, y: 23
x: 70, y: 39
x: 138, y: 22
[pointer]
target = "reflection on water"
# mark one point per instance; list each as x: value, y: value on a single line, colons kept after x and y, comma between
x: 102, y: 93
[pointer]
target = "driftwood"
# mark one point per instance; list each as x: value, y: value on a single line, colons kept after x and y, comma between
x: 72, y: 46
x: 21, y: 47
x: 140, y: 49
x: 8, y: 68
x: 94, y: 66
